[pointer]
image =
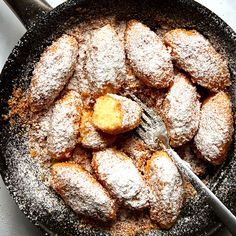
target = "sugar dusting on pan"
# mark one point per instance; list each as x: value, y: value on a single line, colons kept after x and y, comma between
x: 29, y: 184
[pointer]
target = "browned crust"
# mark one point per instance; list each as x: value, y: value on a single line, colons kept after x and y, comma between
x: 59, y: 186
x: 161, y: 81
x: 198, y: 166
x: 186, y: 56
x: 188, y: 119
x: 105, y: 183
x: 137, y: 150
x: 221, y: 104
x: 40, y: 98
x: 70, y: 99
x: 165, y: 207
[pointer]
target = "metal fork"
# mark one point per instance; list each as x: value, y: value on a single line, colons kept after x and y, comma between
x: 152, y: 131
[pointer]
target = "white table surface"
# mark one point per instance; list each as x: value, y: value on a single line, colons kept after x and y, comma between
x: 12, y: 221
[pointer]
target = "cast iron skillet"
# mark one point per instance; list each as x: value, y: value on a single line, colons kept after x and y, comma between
x: 19, y: 171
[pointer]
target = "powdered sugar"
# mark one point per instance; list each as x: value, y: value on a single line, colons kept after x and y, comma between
x: 167, y: 188
x: 181, y: 111
x: 52, y: 72
x: 216, y: 128
x: 193, y: 53
x: 106, y: 58
x: 67, y: 215
x: 64, y: 126
x: 38, y: 134
x: 148, y: 55
x: 92, y: 138
x: 78, y: 82
x: 118, y: 173
x: 82, y: 192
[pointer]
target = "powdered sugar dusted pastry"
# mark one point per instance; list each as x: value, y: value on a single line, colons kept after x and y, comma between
x: 181, y: 111
x: 122, y: 179
x: 115, y: 114
x: 215, y: 131
x: 52, y: 72
x: 82, y: 157
x: 193, y: 53
x: 105, y: 65
x: 92, y: 138
x: 137, y: 150
x: 148, y: 55
x: 82, y: 192
x: 64, y: 126
x: 167, y: 188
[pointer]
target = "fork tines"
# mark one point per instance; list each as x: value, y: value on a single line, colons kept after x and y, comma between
x: 152, y: 129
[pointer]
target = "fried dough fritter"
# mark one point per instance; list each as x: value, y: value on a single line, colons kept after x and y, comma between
x: 100, y: 66
x: 82, y: 192
x: 105, y: 63
x: 115, y: 114
x: 167, y: 188
x: 215, y: 131
x: 148, y: 56
x: 52, y: 72
x: 194, y: 54
x: 64, y: 126
x: 118, y: 174
x: 181, y: 111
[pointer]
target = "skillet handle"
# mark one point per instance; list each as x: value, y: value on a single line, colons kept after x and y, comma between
x: 28, y: 10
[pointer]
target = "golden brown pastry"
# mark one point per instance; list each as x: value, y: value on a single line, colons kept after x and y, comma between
x: 64, y: 126
x: 52, y: 72
x: 118, y: 174
x: 82, y: 192
x: 215, y: 131
x: 90, y: 137
x: 147, y: 55
x: 115, y: 114
x: 181, y: 111
x: 167, y: 188
x: 105, y: 63
x: 194, y: 54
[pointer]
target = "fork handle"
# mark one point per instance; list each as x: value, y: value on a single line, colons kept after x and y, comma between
x: 224, y: 214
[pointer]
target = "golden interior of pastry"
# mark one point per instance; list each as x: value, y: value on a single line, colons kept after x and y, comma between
x: 107, y: 114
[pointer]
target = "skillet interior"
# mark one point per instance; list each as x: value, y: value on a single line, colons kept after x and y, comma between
x: 22, y: 176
